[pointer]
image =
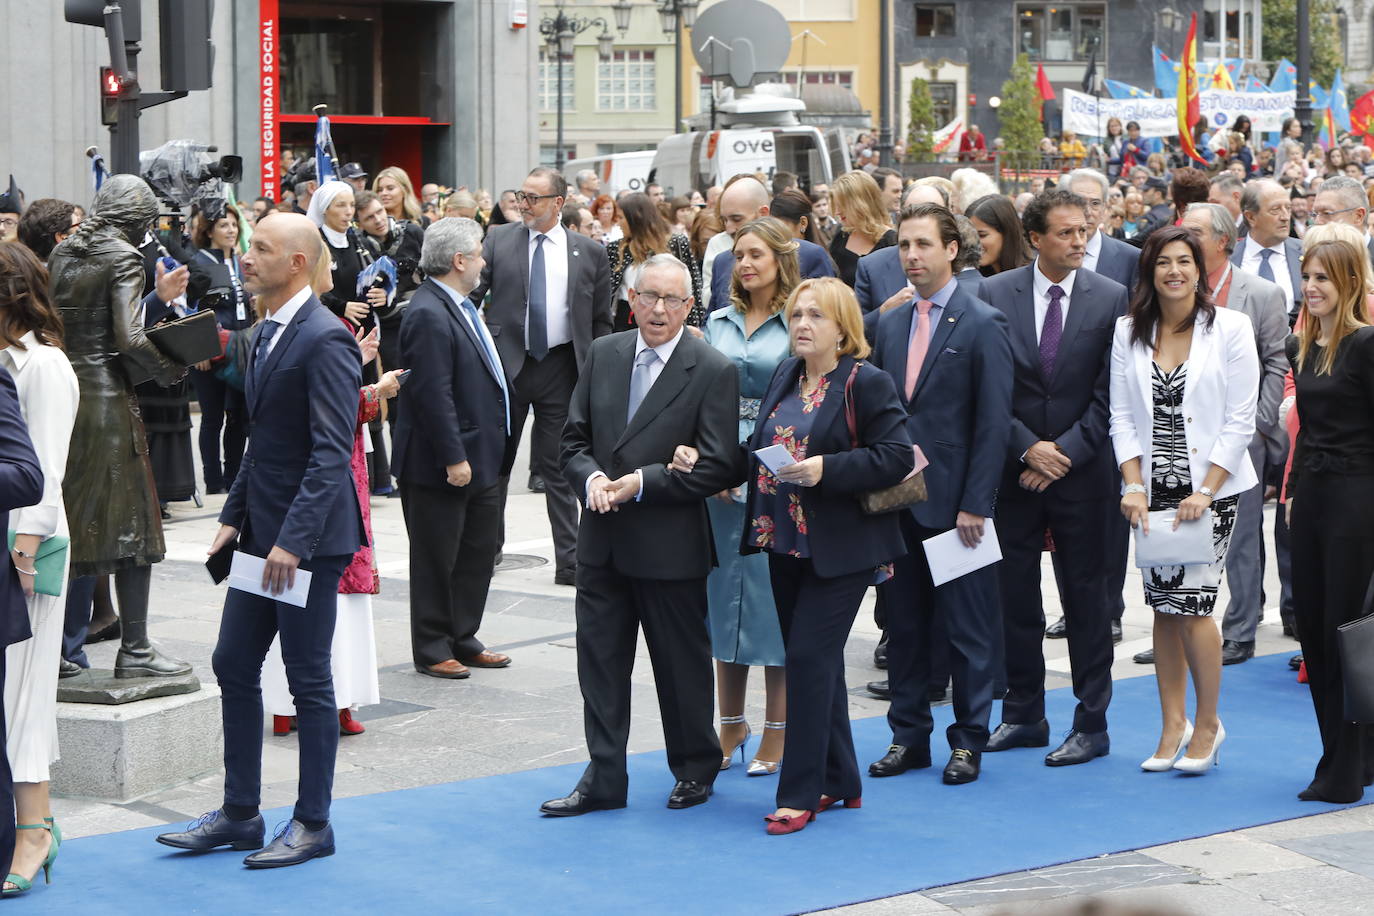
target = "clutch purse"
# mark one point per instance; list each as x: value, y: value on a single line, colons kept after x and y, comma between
x: 1355, y: 642
x: 188, y: 340
x: 50, y: 564
x: 903, y: 495
x: 1190, y: 545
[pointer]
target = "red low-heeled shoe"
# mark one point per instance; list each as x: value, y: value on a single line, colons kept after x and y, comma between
x: 826, y: 802
x: 783, y: 824
x: 349, y: 725
x: 283, y: 725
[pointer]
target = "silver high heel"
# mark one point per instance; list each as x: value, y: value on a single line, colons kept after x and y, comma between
x: 1160, y: 764
x: 759, y: 767
x: 1197, y: 766
x: 748, y: 733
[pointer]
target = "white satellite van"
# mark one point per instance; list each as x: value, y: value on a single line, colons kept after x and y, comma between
x: 618, y: 171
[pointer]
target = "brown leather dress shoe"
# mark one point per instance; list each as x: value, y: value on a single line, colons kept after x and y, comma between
x: 449, y: 668
x: 485, y: 659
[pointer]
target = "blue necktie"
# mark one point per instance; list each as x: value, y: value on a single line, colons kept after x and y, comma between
x: 1266, y: 271
x: 537, y: 320
x: 640, y: 380
x: 269, y: 330
x: 489, y: 356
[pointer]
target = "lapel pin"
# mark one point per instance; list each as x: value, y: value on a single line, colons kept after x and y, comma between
x: 576, y: 253
x: 950, y: 319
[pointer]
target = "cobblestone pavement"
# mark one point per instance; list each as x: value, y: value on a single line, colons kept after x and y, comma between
x: 429, y: 731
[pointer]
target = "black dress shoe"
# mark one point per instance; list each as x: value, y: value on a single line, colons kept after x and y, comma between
x: 1116, y: 632
x: 1294, y: 663
x: 67, y: 669
x: 898, y: 759
x: 880, y: 654
x: 1289, y: 632
x: 1146, y: 657
x: 565, y: 577
x: 215, y: 829
x: 537, y: 484
x: 1079, y: 747
x: 1009, y: 735
x: 1233, y: 652
x: 574, y: 804
x: 688, y: 793
x: 1057, y: 630
x: 111, y: 630
x: 963, y: 767
x: 879, y: 689
x: 294, y: 845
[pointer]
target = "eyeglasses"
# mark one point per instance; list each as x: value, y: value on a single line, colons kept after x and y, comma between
x: 1327, y: 214
x: 649, y: 300
x: 9, y: 222
x: 522, y: 198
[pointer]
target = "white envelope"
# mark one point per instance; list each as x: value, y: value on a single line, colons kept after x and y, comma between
x: 245, y: 574
x: 1190, y: 545
x: 949, y: 559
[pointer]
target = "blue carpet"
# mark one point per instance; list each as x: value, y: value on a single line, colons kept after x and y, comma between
x: 480, y: 845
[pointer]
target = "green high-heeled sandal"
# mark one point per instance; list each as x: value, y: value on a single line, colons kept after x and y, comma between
x: 21, y: 884
x: 56, y: 830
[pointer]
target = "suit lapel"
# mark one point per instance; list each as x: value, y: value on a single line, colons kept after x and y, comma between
x: 666, y: 387
x: 285, y: 336
x: 899, y: 348
x: 1024, y: 320
x: 1199, y: 352
x: 619, y: 398
x: 831, y: 410
x: 939, y: 336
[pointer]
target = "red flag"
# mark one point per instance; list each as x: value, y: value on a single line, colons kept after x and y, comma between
x: 1042, y: 84
x: 1362, y: 115
x: 1189, y: 105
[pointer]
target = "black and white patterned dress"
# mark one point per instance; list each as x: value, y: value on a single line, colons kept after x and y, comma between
x: 1190, y: 590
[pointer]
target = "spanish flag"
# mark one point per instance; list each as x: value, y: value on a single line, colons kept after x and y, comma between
x: 1189, y: 106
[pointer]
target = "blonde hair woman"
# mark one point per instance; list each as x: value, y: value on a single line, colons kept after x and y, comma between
x: 856, y: 201
x: 393, y: 186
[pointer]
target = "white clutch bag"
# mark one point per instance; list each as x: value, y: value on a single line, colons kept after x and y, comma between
x: 1190, y: 545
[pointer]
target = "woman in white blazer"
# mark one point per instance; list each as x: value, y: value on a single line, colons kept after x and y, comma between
x: 1185, y: 378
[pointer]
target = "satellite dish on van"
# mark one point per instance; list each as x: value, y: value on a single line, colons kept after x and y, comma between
x: 741, y: 41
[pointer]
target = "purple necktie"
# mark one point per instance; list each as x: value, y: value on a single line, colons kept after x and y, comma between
x: 1051, y: 332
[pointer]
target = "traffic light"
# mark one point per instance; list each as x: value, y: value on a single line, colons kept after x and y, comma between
x: 188, y: 54
x: 92, y: 12
x: 110, y: 88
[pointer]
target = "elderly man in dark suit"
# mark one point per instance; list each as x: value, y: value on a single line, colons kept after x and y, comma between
x: 293, y: 503
x: 1268, y: 251
x: 21, y: 484
x: 644, y: 547
x: 1058, y: 475
x: 950, y: 356
x: 550, y: 297
x: 450, y: 452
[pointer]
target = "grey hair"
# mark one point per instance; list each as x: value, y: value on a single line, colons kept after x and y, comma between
x: 1088, y: 175
x: 584, y: 175
x: 445, y: 238
x: 1351, y: 191
x: 1227, y: 182
x: 1223, y: 225
x: 1254, y: 190
x: 667, y: 260
x: 970, y: 248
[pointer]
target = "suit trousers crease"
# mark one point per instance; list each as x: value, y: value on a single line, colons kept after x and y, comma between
x: 610, y: 609
x: 816, y: 615
x: 959, y: 621
x: 453, y: 543
x: 1333, y: 558
x: 246, y: 630
x: 547, y: 385
x: 1245, y: 559
x: 1080, y: 529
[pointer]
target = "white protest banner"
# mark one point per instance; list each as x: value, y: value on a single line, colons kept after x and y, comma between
x: 1084, y: 114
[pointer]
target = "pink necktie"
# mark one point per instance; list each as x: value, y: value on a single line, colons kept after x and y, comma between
x: 916, y: 350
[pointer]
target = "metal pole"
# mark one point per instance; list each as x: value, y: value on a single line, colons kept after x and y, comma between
x: 558, y: 53
x: 677, y: 71
x: 884, y: 85
x: 1302, y: 106
x: 124, y: 132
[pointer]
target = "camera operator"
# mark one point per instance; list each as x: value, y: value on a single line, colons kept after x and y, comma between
x: 215, y: 232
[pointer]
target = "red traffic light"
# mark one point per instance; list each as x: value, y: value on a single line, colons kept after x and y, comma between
x: 109, y: 82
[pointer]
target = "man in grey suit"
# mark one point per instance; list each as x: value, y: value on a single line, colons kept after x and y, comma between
x: 550, y: 297
x: 1268, y: 252
x: 1264, y: 303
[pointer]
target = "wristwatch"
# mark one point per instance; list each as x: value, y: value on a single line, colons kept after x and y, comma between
x: 1207, y: 492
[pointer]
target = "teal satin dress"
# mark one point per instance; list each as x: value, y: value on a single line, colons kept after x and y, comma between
x: 742, y: 616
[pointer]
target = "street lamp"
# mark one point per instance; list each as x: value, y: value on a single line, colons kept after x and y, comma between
x: 560, y: 33
x: 670, y: 13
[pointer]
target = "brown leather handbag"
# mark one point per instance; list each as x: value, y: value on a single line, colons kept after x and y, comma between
x: 912, y: 488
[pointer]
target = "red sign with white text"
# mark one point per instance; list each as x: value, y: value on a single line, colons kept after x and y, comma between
x: 268, y: 96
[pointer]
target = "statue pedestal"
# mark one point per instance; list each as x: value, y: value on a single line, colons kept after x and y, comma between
x: 118, y: 750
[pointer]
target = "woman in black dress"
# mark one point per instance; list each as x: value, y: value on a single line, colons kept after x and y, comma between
x: 857, y: 203
x: 1332, y: 479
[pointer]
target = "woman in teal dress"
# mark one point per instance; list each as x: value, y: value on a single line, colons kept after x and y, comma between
x: 751, y: 330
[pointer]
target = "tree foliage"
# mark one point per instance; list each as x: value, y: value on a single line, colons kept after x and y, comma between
x: 1020, y: 110
x: 921, y: 125
x: 1280, y: 35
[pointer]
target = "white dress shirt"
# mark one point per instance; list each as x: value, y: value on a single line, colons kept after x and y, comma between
x: 1093, y: 251
x: 555, y: 285
x: 1041, y: 287
x: 1278, y: 263
x: 48, y: 398
x: 285, y: 314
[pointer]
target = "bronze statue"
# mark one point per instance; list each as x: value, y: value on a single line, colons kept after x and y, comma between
x: 116, y: 525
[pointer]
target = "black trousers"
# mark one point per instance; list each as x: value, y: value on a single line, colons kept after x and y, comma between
x: 963, y: 619
x: 816, y: 615
x: 7, y: 813
x: 245, y: 634
x: 452, y: 536
x: 222, y: 410
x: 1333, y: 559
x: 611, y: 608
x: 1080, y: 537
x: 547, y: 386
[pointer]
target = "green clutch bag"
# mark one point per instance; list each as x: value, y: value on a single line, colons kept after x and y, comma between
x: 51, y: 564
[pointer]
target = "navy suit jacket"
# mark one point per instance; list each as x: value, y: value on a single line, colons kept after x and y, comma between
x: 847, y: 541
x: 1072, y: 407
x: 295, y: 490
x: 452, y: 408
x: 960, y: 411
x: 812, y: 260
x: 1293, y: 256
x: 1118, y: 261
x: 21, y: 484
